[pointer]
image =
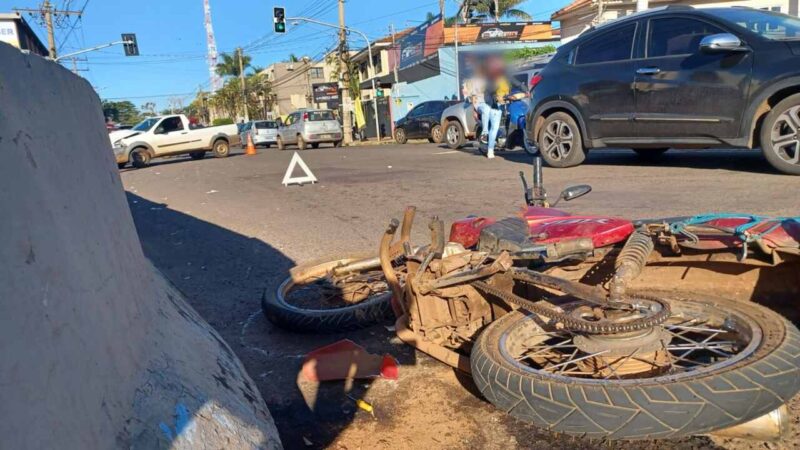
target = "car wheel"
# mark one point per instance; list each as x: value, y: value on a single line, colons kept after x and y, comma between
x: 454, y: 134
x: 315, y: 145
x: 279, y: 143
x: 400, y: 136
x: 337, y: 143
x: 560, y: 142
x: 197, y: 155
x: 221, y: 148
x: 650, y: 153
x: 780, y: 136
x: 436, y: 134
x: 266, y: 145
x: 301, y: 143
x: 140, y: 158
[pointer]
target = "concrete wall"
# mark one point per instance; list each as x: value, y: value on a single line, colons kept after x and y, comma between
x: 97, y: 349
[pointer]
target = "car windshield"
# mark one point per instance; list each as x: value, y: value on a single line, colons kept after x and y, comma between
x: 771, y: 25
x: 316, y: 116
x: 265, y: 125
x: 146, y: 124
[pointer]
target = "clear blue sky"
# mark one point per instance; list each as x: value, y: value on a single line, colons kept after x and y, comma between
x: 172, y: 40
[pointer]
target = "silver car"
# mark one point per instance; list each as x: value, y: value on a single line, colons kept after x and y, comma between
x: 310, y: 127
x: 263, y: 132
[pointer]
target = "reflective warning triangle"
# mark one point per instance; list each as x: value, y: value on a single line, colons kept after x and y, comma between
x: 308, y: 178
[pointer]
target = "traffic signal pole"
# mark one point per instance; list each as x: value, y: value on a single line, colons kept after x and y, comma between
x: 371, y: 66
x: 92, y: 49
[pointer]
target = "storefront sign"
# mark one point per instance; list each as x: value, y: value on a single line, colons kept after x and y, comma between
x: 422, y: 42
x: 326, y: 93
x: 8, y: 33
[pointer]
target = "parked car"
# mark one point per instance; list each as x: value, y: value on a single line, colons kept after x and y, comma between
x: 262, y: 132
x: 674, y: 77
x: 310, y: 127
x: 422, y: 122
x: 458, y: 120
x: 160, y: 136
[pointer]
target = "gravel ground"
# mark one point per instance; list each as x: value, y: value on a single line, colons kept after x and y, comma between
x: 223, y: 230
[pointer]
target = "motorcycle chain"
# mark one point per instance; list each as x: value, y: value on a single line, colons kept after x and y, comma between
x: 577, y: 325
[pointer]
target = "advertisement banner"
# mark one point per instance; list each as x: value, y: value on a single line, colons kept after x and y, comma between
x: 421, y: 42
x: 500, y: 32
x: 326, y: 93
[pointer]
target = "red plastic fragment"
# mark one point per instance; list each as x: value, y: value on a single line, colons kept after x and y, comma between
x: 347, y: 360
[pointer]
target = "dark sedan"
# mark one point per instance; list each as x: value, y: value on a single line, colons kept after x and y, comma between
x: 422, y: 122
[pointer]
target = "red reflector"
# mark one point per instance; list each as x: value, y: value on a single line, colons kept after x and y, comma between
x: 535, y: 80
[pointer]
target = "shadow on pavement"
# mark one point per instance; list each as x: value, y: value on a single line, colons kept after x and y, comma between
x: 223, y: 275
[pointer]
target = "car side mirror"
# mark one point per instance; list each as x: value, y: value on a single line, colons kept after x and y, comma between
x: 159, y: 130
x: 573, y: 192
x: 722, y: 43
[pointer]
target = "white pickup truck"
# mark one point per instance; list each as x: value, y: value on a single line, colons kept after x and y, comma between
x: 155, y: 137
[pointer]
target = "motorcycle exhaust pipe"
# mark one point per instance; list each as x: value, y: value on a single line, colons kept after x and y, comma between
x: 769, y: 427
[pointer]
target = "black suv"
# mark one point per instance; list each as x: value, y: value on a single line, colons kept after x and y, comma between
x: 422, y: 122
x: 674, y: 77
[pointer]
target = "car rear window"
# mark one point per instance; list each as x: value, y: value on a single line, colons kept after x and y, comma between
x: 265, y: 125
x: 317, y: 116
x: 615, y: 45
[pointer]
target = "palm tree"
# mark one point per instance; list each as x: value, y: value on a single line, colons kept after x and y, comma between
x: 498, y: 8
x: 230, y: 64
x: 292, y: 58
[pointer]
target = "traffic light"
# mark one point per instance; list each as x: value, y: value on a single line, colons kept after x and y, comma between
x: 130, y: 45
x: 279, y: 17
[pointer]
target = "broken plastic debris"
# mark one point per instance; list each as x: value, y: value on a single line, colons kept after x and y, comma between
x: 347, y: 360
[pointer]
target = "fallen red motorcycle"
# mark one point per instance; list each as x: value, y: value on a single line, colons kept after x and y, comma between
x: 587, y: 325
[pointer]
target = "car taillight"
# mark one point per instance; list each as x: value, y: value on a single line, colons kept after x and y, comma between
x: 305, y: 116
x: 536, y: 79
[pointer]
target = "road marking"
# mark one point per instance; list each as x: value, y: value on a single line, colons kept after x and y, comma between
x: 447, y: 152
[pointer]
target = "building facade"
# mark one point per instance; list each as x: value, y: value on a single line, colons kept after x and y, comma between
x: 579, y: 15
x: 292, y: 85
x: 15, y: 30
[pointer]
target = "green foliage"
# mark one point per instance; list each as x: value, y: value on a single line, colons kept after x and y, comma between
x: 230, y: 101
x: 122, y: 112
x: 506, y: 8
x: 528, y: 52
x: 229, y: 67
x: 333, y: 60
x: 222, y: 121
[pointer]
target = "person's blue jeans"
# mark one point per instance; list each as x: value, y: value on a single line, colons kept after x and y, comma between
x: 490, y: 120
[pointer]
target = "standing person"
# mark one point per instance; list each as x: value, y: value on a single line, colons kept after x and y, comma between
x: 496, y: 90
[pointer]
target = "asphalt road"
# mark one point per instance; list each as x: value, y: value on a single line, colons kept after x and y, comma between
x: 223, y: 230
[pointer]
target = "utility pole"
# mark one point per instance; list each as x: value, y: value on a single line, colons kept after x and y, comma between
x: 46, y: 10
x: 344, y: 71
x: 396, y: 51
x: 244, y: 87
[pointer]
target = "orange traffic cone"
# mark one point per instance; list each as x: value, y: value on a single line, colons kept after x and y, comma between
x: 251, y: 149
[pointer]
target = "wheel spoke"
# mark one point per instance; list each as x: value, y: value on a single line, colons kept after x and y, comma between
x: 574, y: 360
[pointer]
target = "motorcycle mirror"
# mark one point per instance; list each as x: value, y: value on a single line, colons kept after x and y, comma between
x: 573, y: 192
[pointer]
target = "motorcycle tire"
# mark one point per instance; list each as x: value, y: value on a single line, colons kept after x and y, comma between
x: 374, y: 309
x: 664, y: 406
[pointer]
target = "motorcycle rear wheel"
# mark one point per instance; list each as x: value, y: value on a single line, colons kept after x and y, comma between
x: 312, y: 299
x: 695, y: 396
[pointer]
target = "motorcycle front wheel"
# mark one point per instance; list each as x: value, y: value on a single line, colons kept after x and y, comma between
x: 320, y: 297
x: 720, y: 363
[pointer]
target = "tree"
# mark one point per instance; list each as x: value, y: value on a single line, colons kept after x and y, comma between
x: 332, y: 59
x: 149, y: 108
x: 495, y: 9
x: 229, y: 67
x: 292, y: 58
x: 122, y: 112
